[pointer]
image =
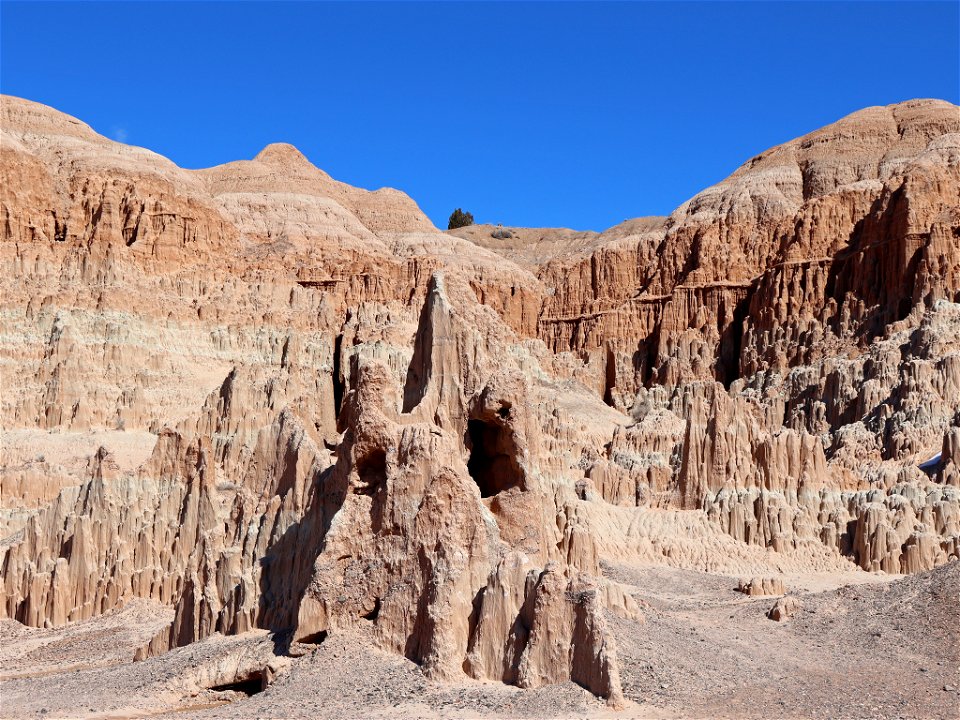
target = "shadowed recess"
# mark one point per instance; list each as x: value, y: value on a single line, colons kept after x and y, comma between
x: 492, y: 464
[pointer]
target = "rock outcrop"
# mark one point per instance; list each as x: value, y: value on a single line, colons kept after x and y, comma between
x: 761, y: 586
x: 784, y: 608
x: 269, y: 400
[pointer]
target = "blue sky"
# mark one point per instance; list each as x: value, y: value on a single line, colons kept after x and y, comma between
x: 567, y: 114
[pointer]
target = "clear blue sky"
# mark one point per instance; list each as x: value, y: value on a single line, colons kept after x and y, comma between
x: 567, y: 114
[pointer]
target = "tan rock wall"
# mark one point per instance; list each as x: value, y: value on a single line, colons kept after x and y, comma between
x: 339, y: 416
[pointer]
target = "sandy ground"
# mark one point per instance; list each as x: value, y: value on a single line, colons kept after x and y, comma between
x: 881, y: 648
x: 873, y: 650
x: 106, y: 641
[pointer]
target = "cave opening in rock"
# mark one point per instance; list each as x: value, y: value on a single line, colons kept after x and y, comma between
x: 610, y: 378
x: 316, y: 638
x: 493, y: 457
x: 372, y: 469
x: 374, y: 613
x: 249, y: 685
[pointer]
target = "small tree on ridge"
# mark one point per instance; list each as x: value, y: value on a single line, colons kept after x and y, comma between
x: 459, y: 219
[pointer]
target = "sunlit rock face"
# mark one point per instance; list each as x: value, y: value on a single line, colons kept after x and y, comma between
x: 269, y: 400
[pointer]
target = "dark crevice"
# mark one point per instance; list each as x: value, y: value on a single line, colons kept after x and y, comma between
x: 372, y: 469
x: 493, y: 457
x: 652, y: 348
x: 316, y: 638
x: 731, y: 343
x: 374, y: 613
x: 338, y: 385
x: 610, y: 377
x: 643, y: 361
x: 847, y: 541
x: 59, y: 229
x: 322, y: 284
x: 250, y: 685
x: 904, y: 306
x: 66, y: 549
x: 130, y: 234
x: 419, y: 370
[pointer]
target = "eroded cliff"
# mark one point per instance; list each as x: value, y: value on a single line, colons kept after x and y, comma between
x: 271, y: 400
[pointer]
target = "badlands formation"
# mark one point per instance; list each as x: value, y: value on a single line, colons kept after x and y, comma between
x: 274, y: 446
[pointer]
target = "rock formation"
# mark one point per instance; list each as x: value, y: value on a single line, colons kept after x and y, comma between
x: 784, y: 608
x: 761, y: 586
x: 273, y: 401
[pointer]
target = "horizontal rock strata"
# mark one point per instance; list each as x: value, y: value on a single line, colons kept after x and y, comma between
x: 273, y: 401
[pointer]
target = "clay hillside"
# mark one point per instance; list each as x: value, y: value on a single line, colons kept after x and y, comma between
x: 276, y: 446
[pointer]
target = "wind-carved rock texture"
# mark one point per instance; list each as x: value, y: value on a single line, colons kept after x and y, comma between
x: 271, y: 400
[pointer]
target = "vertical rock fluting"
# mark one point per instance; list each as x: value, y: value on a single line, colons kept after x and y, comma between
x: 189, y: 528
x: 270, y: 400
x: 417, y: 549
x: 242, y: 518
x: 819, y: 285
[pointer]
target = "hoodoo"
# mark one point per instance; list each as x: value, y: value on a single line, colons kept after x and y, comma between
x: 256, y: 419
